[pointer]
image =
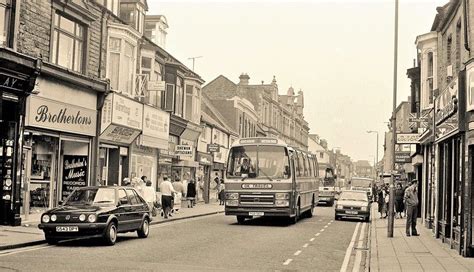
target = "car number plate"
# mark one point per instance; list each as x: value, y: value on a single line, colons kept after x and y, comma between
x: 67, y: 229
x: 256, y: 213
x: 351, y: 212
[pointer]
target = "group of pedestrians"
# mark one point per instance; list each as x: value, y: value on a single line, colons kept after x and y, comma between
x: 406, y: 201
x: 171, y: 194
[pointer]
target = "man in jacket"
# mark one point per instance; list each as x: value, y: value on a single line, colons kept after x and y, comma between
x: 411, y: 203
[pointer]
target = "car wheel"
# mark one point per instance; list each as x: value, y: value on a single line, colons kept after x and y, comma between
x: 51, y: 241
x: 110, y: 236
x: 240, y: 219
x: 144, y: 230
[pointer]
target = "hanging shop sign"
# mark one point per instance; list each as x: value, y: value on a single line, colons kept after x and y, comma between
x: 213, y: 148
x: 74, y: 174
x: 184, y: 150
x: 156, y: 86
x: 407, y: 138
x: 402, y: 157
x: 204, y: 159
x: 46, y: 113
x: 156, y: 125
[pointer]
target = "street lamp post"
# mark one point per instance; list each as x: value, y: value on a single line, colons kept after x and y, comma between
x: 377, y: 152
x: 394, y: 127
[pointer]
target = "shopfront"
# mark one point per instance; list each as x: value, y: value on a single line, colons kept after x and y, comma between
x: 427, y: 180
x: 121, y: 124
x: 204, y: 175
x: 57, y: 143
x: 18, y: 75
x: 468, y: 196
x: 146, y: 149
x: 449, y: 140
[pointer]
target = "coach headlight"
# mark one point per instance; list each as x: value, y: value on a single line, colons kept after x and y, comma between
x: 282, y: 203
x: 282, y: 196
x: 232, y: 202
x: 364, y: 209
x: 339, y: 207
x: 232, y: 196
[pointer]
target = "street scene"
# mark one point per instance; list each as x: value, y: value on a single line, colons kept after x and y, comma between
x: 236, y: 135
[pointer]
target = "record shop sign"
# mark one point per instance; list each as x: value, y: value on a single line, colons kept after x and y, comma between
x: 45, y: 113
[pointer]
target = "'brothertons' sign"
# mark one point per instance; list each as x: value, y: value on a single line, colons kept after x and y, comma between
x: 45, y: 113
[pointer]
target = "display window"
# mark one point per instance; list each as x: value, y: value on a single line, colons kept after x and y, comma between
x: 144, y: 165
x: 53, y: 166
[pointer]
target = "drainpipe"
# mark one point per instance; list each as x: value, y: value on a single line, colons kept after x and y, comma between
x: 466, y: 36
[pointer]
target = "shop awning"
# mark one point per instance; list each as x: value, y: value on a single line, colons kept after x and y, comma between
x: 191, y: 132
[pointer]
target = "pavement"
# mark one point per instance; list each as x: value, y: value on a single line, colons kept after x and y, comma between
x: 28, y: 234
x: 415, y: 253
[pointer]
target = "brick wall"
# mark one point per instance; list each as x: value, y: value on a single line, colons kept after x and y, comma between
x: 34, y: 33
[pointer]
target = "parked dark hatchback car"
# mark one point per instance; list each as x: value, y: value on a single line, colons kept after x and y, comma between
x: 101, y: 211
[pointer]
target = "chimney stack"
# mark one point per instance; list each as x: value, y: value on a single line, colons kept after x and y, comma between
x: 244, y: 79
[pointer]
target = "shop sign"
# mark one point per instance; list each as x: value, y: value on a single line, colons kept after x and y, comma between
x: 156, y: 86
x: 45, y: 113
x: 402, y: 157
x: 213, y: 148
x: 123, y: 111
x: 446, y: 103
x: 407, y: 138
x: 119, y: 134
x: 74, y: 173
x: 184, y: 150
x: 155, y: 127
x: 204, y: 159
x: 12, y: 84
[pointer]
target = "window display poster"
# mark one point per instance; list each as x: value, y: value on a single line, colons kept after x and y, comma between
x: 74, y: 173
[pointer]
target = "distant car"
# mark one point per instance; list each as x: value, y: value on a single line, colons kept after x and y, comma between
x: 100, y: 211
x: 353, y: 204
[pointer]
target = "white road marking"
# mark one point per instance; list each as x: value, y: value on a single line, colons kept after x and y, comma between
x: 322, y: 230
x: 325, y: 227
x: 305, y: 245
x: 358, y: 258
x: 329, y: 223
x: 21, y: 250
x: 317, y: 234
x: 297, y: 253
x: 312, y: 239
x: 287, y: 262
x: 320, y: 220
x: 349, y: 249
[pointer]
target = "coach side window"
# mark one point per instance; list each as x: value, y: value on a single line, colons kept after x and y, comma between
x: 311, y: 168
x: 301, y: 163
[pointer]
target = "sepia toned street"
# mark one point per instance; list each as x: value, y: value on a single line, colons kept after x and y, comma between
x: 208, y: 243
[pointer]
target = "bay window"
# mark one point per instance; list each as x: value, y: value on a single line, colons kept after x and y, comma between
x: 68, y: 43
x: 153, y: 70
x: 179, y: 97
x: 121, y: 58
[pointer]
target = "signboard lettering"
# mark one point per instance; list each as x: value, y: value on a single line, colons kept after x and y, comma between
x: 213, y: 148
x: 402, y: 157
x: 446, y: 111
x: 407, y: 138
x: 74, y: 173
x: 45, y: 113
x: 184, y: 150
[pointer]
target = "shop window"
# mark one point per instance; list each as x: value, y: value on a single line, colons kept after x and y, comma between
x: 68, y: 43
x: 179, y: 98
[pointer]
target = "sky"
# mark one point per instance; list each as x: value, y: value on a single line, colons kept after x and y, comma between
x: 338, y: 52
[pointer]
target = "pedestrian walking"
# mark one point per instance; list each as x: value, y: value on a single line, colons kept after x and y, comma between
x: 399, y: 194
x: 221, y: 193
x: 411, y: 203
x: 380, y: 201
x: 216, y: 180
x: 179, y: 188
x: 167, y: 190
x: 191, y: 193
x: 386, y: 202
x: 149, y: 194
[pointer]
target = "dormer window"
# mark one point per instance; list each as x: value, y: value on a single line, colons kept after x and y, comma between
x: 133, y: 13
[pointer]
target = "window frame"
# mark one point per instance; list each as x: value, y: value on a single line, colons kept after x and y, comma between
x: 54, y: 54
